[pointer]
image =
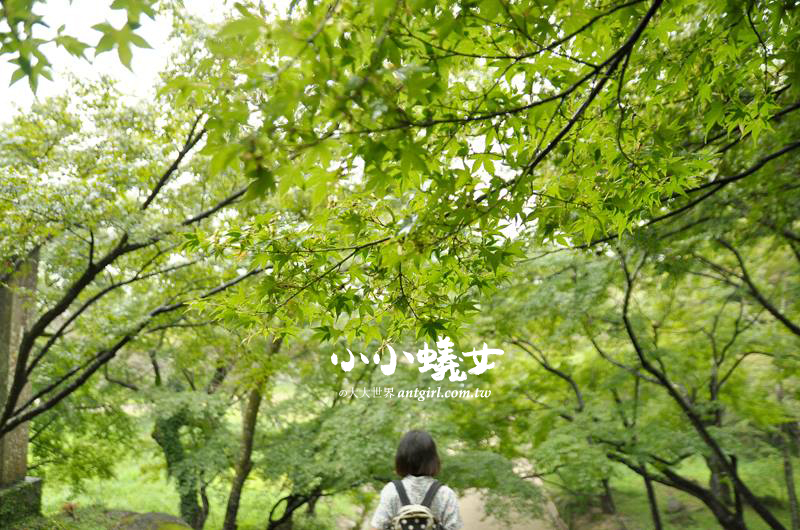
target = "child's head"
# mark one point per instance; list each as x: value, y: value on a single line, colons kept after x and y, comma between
x: 416, y: 455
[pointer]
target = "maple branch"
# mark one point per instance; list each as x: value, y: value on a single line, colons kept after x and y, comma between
x: 191, y: 141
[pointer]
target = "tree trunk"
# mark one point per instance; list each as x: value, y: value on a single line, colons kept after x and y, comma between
x: 17, y: 306
x: 788, y: 474
x: 607, y: 499
x: 729, y: 520
x: 719, y: 482
x: 285, y: 522
x: 166, y: 433
x: 651, y: 498
x: 245, y: 463
x: 742, y: 491
x: 312, y: 506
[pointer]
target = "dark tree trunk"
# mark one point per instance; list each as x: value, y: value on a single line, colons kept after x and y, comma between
x: 166, y: 433
x: 16, y: 312
x: 245, y: 463
x: 293, y: 503
x: 607, y: 499
x: 651, y: 499
x: 788, y: 474
x: 719, y: 482
x: 728, y: 519
x: 742, y: 491
x: 312, y: 506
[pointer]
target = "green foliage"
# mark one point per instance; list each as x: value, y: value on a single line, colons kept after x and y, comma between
x: 81, y: 441
x: 505, y: 492
x: 23, y: 39
x: 401, y: 150
x: 607, y: 192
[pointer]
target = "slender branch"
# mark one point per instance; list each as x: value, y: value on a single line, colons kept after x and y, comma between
x: 94, y: 364
x: 329, y: 270
x: 40, y: 325
x: 549, y: 48
x: 214, y: 209
x: 611, y: 64
x: 714, y: 185
x: 97, y: 296
x: 542, y: 360
x: 630, y: 369
x: 761, y: 162
x: 191, y: 141
x: 738, y: 362
x: 172, y: 307
x: 403, y: 292
x: 119, y: 382
x: 756, y: 292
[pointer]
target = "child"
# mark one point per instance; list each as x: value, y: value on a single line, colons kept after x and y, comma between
x: 417, y: 462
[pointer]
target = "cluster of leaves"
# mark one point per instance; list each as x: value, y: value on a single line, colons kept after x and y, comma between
x: 401, y: 152
x: 21, y: 36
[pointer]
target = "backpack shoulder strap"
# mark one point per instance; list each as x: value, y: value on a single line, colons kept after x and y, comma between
x: 431, y: 493
x: 401, y: 491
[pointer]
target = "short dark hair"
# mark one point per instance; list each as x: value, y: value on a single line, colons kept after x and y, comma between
x: 416, y: 455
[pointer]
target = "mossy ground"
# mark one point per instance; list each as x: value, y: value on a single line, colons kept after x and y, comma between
x: 83, y: 518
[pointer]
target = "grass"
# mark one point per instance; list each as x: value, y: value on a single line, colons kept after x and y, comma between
x: 140, y: 484
x: 765, y: 477
x: 134, y: 488
x: 88, y: 518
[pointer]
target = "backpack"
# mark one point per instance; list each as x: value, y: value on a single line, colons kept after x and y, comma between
x: 416, y: 516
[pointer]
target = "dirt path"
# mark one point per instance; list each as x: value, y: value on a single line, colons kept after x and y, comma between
x: 472, y: 512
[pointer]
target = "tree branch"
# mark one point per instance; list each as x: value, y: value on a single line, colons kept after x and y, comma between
x: 542, y: 360
x: 188, y: 145
x: 94, y: 363
x: 745, y: 277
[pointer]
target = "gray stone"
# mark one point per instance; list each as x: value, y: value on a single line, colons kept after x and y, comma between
x: 674, y: 506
